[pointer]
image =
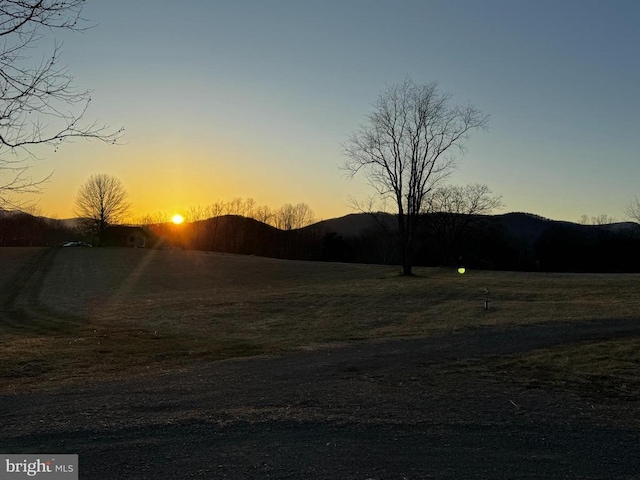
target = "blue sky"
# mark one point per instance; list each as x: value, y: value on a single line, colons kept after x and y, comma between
x: 255, y: 98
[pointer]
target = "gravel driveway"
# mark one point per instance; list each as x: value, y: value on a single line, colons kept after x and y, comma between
x: 401, y: 409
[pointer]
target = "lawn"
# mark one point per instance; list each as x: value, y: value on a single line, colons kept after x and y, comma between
x: 71, y: 314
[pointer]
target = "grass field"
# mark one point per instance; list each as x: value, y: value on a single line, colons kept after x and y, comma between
x: 72, y: 315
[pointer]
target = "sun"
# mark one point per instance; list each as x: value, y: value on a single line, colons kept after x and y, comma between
x: 177, y: 219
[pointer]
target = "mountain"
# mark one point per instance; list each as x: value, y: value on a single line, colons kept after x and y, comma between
x: 237, y: 234
x: 511, y: 241
x: 623, y: 227
x: 356, y: 224
x: 527, y: 227
x: 71, y: 223
x: 20, y: 229
x: 5, y: 213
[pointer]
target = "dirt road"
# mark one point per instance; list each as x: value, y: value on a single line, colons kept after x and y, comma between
x: 404, y: 409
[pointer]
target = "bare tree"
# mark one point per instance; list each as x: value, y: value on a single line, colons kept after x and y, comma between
x: 472, y: 199
x: 236, y: 206
x: 602, y: 219
x: 101, y: 201
x: 196, y: 213
x: 291, y: 217
x: 263, y: 214
x: 155, y: 218
x: 217, y: 209
x: 633, y: 209
x: 39, y: 104
x: 249, y: 207
x: 453, y: 210
x: 404, y: 150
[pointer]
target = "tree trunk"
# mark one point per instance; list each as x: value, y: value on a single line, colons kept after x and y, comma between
x: 405, y: 237
x: 406, y: 267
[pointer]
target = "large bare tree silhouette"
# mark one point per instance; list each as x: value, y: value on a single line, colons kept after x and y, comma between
x: 405, y: 150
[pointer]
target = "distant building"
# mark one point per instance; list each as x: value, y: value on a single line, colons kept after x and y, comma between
x: 125, y: 236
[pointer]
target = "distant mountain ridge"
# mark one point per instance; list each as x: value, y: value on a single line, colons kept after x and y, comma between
x: 527, y: 226
x: 511, y: 241
x: 355, y: 224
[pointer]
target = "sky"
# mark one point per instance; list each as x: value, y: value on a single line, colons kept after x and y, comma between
x: 255, y: 99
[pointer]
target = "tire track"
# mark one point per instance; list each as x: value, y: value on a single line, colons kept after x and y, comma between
x: 20, y: 306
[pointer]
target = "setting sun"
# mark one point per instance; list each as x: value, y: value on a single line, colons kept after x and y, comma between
x: 177, y: 219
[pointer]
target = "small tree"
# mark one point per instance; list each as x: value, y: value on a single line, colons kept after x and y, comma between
x: 101, y: 201
x: 404, y: 150
x: 633, y: 209
x: 292, y: 217
x: 602, y: 219
x: 39, y: 105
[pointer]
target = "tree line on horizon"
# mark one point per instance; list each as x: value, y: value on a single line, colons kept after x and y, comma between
x: 446, y: 239
x: 287, y: 217
x: 102, y: 202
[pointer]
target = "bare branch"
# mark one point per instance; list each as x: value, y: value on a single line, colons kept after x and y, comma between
x: 39, y: 104
x: 473, y: 199
x: 633, y: 209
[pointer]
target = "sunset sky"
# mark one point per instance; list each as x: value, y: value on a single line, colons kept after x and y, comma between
x: 254, y: 98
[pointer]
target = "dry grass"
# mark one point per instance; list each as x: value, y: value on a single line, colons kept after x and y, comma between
x: 102, y: 313
x: 602, y: 369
